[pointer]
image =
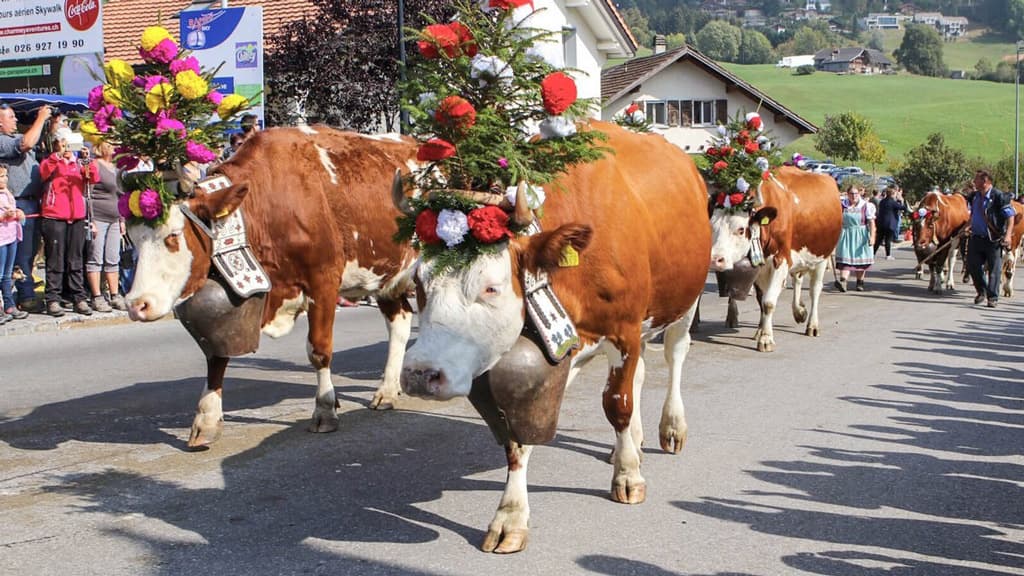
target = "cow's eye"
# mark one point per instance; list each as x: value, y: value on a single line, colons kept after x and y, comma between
x: 741, y: 231
x: 491, y: 290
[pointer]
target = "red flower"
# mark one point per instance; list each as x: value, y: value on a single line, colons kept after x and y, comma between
x: 435, y: 149
x: 751, y: 147
x: 736, y: 198
x: 720, y: 199
x: 457, y: 112
x: 914, y: 215
x: 438, y: 36
x: 488, y: 224
x: 558, y: 92
x: 766, y: 175
x: 509, y: 4
x: 467, y: 43
x: 426, y: 227
x: 719, y: 166
x: 632, y: 108
x: 743, y: 137
x: 754, y: 123
x: 725, y: 151
x: 712, y: 151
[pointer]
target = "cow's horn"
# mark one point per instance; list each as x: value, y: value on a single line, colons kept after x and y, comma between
x: 522, y: 215
x: 398, y: 195
x: 188, y: 174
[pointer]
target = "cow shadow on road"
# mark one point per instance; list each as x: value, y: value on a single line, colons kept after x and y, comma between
x: 938, y: 479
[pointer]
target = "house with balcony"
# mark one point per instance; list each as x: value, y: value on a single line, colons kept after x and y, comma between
x: 881, y: 21
x: 852, y: 60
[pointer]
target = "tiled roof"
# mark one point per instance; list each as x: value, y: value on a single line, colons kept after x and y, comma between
x: 124, y: 20
x: 620, y: 80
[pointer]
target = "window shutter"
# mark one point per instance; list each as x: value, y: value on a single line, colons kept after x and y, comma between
x: 722, y: 111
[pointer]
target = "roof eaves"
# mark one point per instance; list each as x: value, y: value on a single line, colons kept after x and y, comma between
x: 669, y: 58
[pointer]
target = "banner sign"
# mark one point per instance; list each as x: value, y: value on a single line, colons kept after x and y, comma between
x: 41, y: 28
x: 72, y: 75
x: 231, y: 38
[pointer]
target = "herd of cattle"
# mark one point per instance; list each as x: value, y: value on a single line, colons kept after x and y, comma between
x: 320, y: 220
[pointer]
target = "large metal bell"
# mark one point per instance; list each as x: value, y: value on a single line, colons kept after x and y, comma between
x: 222, y: 323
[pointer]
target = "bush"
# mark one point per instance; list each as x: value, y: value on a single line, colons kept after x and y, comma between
x: 805, y: 70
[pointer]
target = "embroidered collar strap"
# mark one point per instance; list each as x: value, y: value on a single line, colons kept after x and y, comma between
x: 548, y: 317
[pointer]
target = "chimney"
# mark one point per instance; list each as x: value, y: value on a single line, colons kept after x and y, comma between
x: 659, y: 44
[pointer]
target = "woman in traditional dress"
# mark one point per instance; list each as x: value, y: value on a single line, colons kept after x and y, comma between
x: 854, y: 254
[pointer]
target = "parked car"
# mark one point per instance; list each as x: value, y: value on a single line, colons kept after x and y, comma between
x: 824, y: 168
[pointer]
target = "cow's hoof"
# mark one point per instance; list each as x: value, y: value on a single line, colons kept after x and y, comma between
x: 757, y: 334
x: 628, y: 492
x: 205, y: 431
x: 765, y: 344
x: 324, y: 421
x: 800, y: 314
x: 812, y: 331
x: 672, y: 438
x: 383, y: 400
x: 505, y: 541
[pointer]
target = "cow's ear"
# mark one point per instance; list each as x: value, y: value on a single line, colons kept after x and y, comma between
x: 558, y: 247
x: 764, y: 216
x: 218, y: 204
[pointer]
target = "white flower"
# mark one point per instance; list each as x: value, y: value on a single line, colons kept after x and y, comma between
x: 922, y: 212
x: 722, y: 131
x: 452, y: 227
x: 534, y: 195
x: 741, y: 185
x: 727, y: 203
x: 486, y: 69
x: 638, y: 117
x: 557, y: 127
x: 762, y: 163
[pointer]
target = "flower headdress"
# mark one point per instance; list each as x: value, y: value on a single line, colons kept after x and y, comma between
x: 633, y: 118
x: 741, y: 156
x: 482, y: 89
x: 172, y: 114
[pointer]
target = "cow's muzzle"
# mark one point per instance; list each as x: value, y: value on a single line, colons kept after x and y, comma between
x: 424, y: 381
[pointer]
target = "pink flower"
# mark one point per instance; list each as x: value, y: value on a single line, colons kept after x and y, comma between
x: 190, y: 63
x: 122, y: 202
x: 197, y: 152
x: 503, y: 162
x: 164, y: 125
x: 96, y: 98
x: 150, y: 81
x: 105, y: 115
x: 139, y: 82
x: 162, y: 53
x: 215, y: 97
x: 125, y: 160
x: 150, y: 204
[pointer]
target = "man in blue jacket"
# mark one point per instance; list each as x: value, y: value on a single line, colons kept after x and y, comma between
x: 991, y: 231
x: 890, y: 211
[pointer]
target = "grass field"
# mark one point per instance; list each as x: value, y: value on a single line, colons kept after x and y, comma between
x: 962, y: 55
x: 976, y: 117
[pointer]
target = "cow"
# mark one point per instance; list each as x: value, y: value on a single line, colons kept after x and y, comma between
x: 1014, y: 253
x: 797, y: 218
x: 320, y: 222
x: 945, y: 218
x: 637, y: 219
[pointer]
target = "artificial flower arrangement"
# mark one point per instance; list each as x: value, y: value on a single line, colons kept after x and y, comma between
x: 633, y: 118
x: 481, y: 90
x: 170, y: 113
x: 740, y: 156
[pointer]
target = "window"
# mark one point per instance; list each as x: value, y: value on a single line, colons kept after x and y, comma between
x: 655, y: 112
x: 686, y: 113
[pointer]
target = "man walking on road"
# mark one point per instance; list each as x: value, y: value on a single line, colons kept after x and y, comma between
x: 16, y: 150
x: 991, y: 213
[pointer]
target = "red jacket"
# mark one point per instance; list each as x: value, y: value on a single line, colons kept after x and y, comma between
x: 64, y: 198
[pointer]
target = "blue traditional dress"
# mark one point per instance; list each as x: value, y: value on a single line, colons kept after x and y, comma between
x: 854, y: 249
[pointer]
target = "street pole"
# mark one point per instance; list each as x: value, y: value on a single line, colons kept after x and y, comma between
x: 403, y: 116
x: 1016, y: 121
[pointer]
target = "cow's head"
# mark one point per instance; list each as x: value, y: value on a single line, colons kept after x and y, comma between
x: 472, y: 315
x: 731, y: 234
x: 931, y: 215
x: 174, y: 257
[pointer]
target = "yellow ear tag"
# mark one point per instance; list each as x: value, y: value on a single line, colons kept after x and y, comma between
x: 764, y: 221
x: 569, y: 258
x: 222, y: 213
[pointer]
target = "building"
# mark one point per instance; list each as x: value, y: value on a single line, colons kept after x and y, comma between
x: 852, y: 60
x: 881, y: 21
x: 795, y: 61
x: 685, y: 95
x: 952, y: 27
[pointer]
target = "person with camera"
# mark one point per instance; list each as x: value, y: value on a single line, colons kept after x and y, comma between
x: 17, y: 152
x: 64, y: 225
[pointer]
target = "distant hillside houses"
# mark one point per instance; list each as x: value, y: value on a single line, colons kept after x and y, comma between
x: 852, y: 60
x: 950, y: 27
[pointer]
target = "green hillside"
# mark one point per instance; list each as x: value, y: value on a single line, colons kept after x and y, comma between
x: 976, y: 117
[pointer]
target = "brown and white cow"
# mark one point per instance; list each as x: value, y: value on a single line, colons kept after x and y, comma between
x: 320, y: 221
x: 1014, y: 254
x: 798, y: 218
x: 639, y: 222
x: 945, y: 217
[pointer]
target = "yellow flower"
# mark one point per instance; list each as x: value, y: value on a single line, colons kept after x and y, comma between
x: 111, y: 95
x: 232, y: 104
x: 119, y: 72
x: 159, y: 97
x: 154, y: 35
x: 190, y: 85
x: 90, y: 132
x: 133, y: 204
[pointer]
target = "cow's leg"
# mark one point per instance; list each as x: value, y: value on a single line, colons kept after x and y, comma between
x: 319, y: 349
x: 509, y: 529
x: 765, y: 333
x: 628, y: 486
x: 950, y: 266
x: 398, y: 320
x: 817, y: 279
x: 799, y: 310
x: 209, y: 420
x: 672, y: 429
x: 732, y: 315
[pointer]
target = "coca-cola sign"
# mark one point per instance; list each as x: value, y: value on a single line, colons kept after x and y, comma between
x: 82, y: 14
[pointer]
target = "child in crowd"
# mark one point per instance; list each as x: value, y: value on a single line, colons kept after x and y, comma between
x: 11, y: 219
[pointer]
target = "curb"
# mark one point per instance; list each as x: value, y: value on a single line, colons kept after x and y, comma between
x: 42, y: 323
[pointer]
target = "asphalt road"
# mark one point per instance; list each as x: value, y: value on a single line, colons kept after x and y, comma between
x: 890, y: 445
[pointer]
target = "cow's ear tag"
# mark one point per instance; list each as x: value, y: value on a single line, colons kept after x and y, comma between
x: 765, y: 220
x: 222, y: 214
x: 569, y: 258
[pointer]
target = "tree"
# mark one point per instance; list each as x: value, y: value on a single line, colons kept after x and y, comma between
x: 807, y: 40
x: 984, y: 68
x: 720, y: 40
x: 639, y: 25
x: 876, y: 40
x: 755, y: 48
x: 871, y: 151
x: 932, y: 164
x: 339, y: 64
x: 921, y: 51
x: 841, y: 135
x: 675, y: 40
